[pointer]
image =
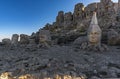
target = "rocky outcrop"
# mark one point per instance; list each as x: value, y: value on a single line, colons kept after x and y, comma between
x: 112, y: 37
x: 6, y: 41
x: 68, y: 20
x: 78, y: 12
x: 80, y: 40
x: 60, y: 18
x: 44, y: 38
x: 24, y: 39
x: 14, y: 40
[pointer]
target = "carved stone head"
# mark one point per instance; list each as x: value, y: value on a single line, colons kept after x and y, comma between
x: 94, y: 32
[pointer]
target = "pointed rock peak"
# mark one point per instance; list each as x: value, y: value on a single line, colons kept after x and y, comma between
x: 94, y: 19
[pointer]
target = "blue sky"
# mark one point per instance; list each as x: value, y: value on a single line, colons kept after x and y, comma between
x: 27, y: 16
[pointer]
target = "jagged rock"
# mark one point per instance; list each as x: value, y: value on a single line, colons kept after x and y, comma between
x: 112, y: 37
x: 24, y: 39
x: 60, y: 18
x: 44, y: 38
x: 14, y: 40
x: 78, y: 12
x: 90, y: 9
x: 6, y: 41
x: 68, y: 20
x: 32, y: 41
x: 81, y: 27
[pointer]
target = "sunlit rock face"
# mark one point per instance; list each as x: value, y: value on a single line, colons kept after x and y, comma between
x: 15, y: 39
x: 94, y: 32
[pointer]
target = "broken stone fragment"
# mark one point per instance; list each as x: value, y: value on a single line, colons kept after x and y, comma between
x: 6, y: 41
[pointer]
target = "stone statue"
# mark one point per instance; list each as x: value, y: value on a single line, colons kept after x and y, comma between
x: 94, y: 32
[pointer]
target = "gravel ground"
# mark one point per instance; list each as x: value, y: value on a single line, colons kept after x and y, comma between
x: 66, y: 60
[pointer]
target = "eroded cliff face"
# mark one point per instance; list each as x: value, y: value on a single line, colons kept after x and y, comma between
x: 106, y: 12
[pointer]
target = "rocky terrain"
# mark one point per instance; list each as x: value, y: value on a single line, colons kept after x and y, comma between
x: 84, y: 44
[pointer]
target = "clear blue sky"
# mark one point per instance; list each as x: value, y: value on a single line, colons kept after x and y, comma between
x: 27, y: 16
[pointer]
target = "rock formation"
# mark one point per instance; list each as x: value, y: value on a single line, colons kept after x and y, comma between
x: 24, y: 39
x: 14, y: 40
x: 60, y: 18
x: 68, y: 20
x: 6, y: 41
x: 112, y: 37
x: 44, y: 38
x: 78, y: 12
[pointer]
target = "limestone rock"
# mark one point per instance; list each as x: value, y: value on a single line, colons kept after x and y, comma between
x: 81, y: 27
x: 32, y: 41
x: 60, y: 18
x: 80, y: 40
x: 112, y: 37
x: 6, y: 41
x: 44, y: 38
x: 24, y: 39
x: 14, y: 40
x: 78, y: 12
x: 68, y: 20
x: 90, y: 9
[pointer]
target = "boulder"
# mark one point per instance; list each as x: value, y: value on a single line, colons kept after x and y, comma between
x: 6, y: 41
x: 112, y: 37
x: 80, y: 40
x: 44, y: 38
x: 68, y: 17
